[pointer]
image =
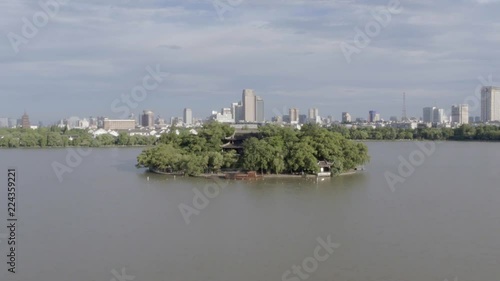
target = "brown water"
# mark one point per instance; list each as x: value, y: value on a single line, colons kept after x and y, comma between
x: 442, y: 222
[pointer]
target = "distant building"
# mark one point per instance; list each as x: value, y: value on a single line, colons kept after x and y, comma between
x: 428, y: 114
x: 259, y: 109
x: 302, y: 119
x: 83, y: 124
x: 224, y: 116
x: 490, y: 104
x: 125, y: 124
x: 25, y: 121
x: 277, y: 119
x: 160, y: 122
x: 373, y: 116
x: 249, y: 107
x: 460, y: 114
x: 237, y: 112
x: 294, y: 115
x: 394, y: 119
x: 176, y: 121
x: 188, y: 116
x: 438, y: 115
x: 477, y: 119
x: 148, y: 119
x: 346, y: 117
x: 313, y: 113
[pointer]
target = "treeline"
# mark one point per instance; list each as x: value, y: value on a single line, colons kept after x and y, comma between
x: 274, y: 149
x: 464, y: 132
x: 62, y: 137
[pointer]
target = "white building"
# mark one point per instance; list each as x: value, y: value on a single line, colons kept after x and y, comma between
x: 490, y: 104
x: 224, y: 116
x: 460, y: 114
x: 346, y: 117
x: 438, y: 116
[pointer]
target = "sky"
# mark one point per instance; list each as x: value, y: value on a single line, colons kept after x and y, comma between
x: 83, y: 56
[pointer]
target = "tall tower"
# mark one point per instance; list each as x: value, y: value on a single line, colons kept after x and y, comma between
x: 259, y: 109
x: 490, y: 104
x: 460, y: 114
x: 428, y: 116
x: 249, y: 106
x: 294, y: 115
x: 148, y: 119
x: 373, y: 116
x: 313, y: 113
x: 188, y: 116
x: 346, y: 117
x: 404, y: 117
x: 25, y: 121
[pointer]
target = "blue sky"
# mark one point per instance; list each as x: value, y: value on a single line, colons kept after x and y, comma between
x: 289, y: 51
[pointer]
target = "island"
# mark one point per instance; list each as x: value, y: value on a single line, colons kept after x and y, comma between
x: 269, y: 150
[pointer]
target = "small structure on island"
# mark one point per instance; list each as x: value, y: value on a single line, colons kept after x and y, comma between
x: 325, y: 169
x: 235, y: 141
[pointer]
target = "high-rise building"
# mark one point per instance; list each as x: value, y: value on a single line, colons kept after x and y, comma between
x: 346, y: 117
x: 148, y: 119
x: 25, y: 121
x: 313, y: 113
x: 188, y: 116
x: 294, y: 115
x: 259, y: 109
x: 460, y: 114
x: 438, y: 115
x: 237, y: 112
x: 249, y: 107
x: 428, y: 114
x: 490, y: 104
x: 302, y: 118
x: 373, y: 116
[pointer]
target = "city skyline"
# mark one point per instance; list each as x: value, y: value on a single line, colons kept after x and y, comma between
x: 297, y: 58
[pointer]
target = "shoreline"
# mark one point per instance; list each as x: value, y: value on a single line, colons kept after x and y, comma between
x: 265, y: 176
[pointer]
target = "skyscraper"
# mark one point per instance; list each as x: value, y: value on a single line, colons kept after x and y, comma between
x: 249, y: 107
x: 490, y: 104
x: 313, y: 113
x: 438, y: 115
x: 259, y: 109
x: 373, y: 116
x: 294, y: 115
x: 237, y: 112
x: 460, y: 113
x: 428, y: 114
x: 188, y: 116
x: 25, y: 121
x: 346, y: 117
x: 148, y: 119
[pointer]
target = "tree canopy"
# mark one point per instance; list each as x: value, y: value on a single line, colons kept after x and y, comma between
x: 274, y: 149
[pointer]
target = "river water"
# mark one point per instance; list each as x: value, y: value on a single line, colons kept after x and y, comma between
x: 105, y: 219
